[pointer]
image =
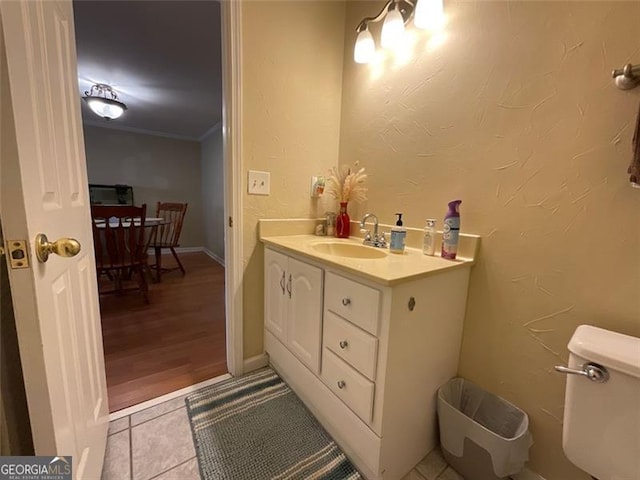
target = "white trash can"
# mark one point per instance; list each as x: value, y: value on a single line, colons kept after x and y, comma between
x: 482, y: 436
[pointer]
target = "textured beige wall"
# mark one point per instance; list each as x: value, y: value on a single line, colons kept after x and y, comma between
x: 158, y: 168
x: 514, y: 113
x: 292, y: 75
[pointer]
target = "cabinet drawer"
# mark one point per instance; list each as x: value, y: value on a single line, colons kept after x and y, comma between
x: 353, y: 345
x: 350, y: 386
x: 351, y: 300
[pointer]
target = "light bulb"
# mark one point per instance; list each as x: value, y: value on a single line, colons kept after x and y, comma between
x: 365, y: 48
x: 429, y: 14
x: 106, y: 109
x: 392, y: 28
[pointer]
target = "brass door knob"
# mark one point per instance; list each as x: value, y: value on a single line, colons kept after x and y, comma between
x: 65, y: 247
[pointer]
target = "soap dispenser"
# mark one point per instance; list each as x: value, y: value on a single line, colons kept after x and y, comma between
x: 398, y: 234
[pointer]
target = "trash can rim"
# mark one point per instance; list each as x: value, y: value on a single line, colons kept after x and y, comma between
x: 524, y: 427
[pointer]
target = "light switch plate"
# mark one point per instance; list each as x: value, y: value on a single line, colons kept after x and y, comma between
x: 259, y: 183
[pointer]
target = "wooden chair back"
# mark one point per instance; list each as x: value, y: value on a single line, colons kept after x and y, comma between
x: 168, y: 234
x: 120, y: 244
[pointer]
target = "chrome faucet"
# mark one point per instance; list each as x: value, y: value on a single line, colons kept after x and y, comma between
x: 377, y: 240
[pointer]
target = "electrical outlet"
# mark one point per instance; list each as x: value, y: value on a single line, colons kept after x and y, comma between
x: 315, y: 190
x: 258, y: 183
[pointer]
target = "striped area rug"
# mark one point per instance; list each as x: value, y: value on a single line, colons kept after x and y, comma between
x: 255, y: 428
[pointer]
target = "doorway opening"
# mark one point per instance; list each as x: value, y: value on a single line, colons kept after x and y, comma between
x: 163, y: 58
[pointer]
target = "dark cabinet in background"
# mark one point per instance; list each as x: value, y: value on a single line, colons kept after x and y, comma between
x: 110, y: 194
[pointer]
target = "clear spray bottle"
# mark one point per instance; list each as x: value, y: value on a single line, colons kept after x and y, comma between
x: 429, y: 241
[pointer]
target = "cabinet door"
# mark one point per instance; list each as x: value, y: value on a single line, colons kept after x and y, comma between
x: 304, y: 313
x: 276, y: 296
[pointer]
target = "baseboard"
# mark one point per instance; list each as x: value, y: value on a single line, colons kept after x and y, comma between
x: 213, y: 256
x: 526, y: 474
x: 166, y: 251
x: 187, y: 249
x: 254, y: 363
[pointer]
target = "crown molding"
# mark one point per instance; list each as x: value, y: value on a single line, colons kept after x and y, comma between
x: 217, y: 126
x: 111, y: 126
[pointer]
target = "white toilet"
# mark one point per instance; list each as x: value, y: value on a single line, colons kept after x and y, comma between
x: 601, y: 431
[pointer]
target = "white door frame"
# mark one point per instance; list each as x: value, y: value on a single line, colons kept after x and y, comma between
x: 231, y: 31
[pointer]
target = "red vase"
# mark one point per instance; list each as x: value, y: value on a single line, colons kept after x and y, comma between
x: 343, y: 222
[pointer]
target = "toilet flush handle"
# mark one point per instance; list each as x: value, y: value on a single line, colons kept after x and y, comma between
x: 593, y: 371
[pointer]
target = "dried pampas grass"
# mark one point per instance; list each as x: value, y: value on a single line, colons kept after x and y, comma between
x: 346, y: 183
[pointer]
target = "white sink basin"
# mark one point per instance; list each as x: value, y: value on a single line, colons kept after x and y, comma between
x: 350, y: 250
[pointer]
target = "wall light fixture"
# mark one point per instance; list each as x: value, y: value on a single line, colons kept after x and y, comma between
x: 103, y: 101
x: 426, y: 14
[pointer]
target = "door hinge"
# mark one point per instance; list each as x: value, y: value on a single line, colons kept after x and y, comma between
x: 18, y: 256
x: 230, y: 222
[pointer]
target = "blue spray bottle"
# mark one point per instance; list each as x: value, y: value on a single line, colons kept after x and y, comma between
x: 450, y: 230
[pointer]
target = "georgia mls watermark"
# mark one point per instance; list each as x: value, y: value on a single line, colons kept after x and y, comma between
x: 35, y: 468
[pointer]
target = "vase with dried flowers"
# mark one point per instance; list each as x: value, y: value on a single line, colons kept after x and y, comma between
x: 346, y: 183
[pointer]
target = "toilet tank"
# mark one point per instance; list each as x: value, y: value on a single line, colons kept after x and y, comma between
x: 601, y: 431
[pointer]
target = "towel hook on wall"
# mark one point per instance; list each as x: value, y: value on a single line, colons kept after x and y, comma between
x: 627, y: 77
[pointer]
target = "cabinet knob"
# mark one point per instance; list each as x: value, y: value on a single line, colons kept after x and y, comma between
x: 341, y: 384
x: 344, y: 344
x: 346, y: 301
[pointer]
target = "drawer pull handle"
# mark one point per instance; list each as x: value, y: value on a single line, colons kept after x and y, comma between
x: 344, y: 344
x: 346, y: 301
x: 341, y: 384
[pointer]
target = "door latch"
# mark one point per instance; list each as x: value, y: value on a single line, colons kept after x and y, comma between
x: 18, y: 256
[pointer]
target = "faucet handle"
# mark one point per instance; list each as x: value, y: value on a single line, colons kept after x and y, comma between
x: 367, y: 234
x: 380, y: 241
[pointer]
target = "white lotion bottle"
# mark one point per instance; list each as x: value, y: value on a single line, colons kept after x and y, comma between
x: 429, y: 241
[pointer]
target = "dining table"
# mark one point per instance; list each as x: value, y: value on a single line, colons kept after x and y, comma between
x: 151, y: 223
x: 114, y: 222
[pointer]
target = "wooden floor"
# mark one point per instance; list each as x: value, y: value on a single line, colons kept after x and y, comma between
x: 175, y: 341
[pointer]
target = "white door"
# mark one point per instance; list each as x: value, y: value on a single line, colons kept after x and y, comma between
x: 304, y: 313
x: 44, y: 190
x: 275, y: 294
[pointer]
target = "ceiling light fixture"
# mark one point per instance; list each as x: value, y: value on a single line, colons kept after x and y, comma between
x: 103, y: 101
x: 427, y: 14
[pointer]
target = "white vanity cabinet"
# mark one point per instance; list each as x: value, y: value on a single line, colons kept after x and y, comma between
x: 293, y: 305
x: 349, y: 357
x: 378, y: 352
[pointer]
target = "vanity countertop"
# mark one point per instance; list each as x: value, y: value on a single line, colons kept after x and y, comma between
x: 392, y: 269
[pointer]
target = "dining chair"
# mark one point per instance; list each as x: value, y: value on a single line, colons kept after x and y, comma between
x: 119, y: 243
x: 167, y: 234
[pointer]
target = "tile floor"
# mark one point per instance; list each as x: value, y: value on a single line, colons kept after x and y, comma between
x: 156, y: 443
x: 433, y: 467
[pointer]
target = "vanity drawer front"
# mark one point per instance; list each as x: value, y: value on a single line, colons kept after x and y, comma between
x: 350, y: 386
x: 351, y: 300
x: 353, y: 345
